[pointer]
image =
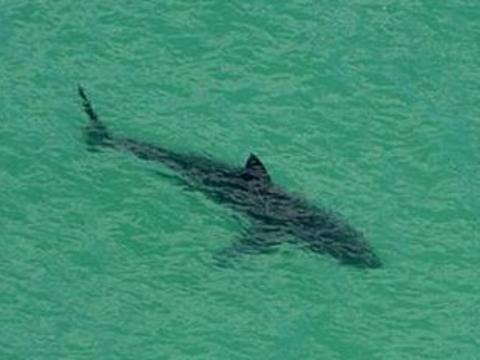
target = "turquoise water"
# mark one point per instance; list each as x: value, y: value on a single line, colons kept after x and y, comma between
x: 369, y: 108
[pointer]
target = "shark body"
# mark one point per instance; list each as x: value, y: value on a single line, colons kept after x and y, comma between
x: 275, y: 215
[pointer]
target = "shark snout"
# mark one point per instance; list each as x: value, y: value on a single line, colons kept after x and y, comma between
x: 364, y: 260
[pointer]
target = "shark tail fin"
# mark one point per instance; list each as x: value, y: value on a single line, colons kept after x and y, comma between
x: 96, y: 132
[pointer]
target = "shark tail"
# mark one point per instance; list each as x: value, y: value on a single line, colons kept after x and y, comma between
x: 96, y: 133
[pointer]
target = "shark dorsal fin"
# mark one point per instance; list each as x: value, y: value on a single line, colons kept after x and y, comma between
x: 255, y: 170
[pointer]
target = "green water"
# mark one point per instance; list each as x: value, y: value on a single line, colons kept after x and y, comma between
x: 366, y: 107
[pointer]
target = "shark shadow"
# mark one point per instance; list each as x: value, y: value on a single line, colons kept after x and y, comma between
x: 275, y: 216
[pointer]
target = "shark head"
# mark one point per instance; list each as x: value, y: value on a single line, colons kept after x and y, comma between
x: 344, y: 243
x: 360, y: 255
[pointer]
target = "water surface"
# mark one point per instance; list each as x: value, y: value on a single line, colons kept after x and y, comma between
x: 368, y: 108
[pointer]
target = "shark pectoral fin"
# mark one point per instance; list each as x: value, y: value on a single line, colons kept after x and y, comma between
x: 252, y: 243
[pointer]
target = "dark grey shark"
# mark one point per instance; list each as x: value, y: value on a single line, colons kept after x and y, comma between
x: 275, y: 215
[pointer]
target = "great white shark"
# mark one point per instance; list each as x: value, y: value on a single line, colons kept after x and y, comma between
x: 275, y: 215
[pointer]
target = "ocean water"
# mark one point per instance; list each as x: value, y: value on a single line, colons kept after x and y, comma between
x: 369, y: 108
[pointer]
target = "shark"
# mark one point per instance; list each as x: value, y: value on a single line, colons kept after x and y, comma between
x: 274, y: 215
